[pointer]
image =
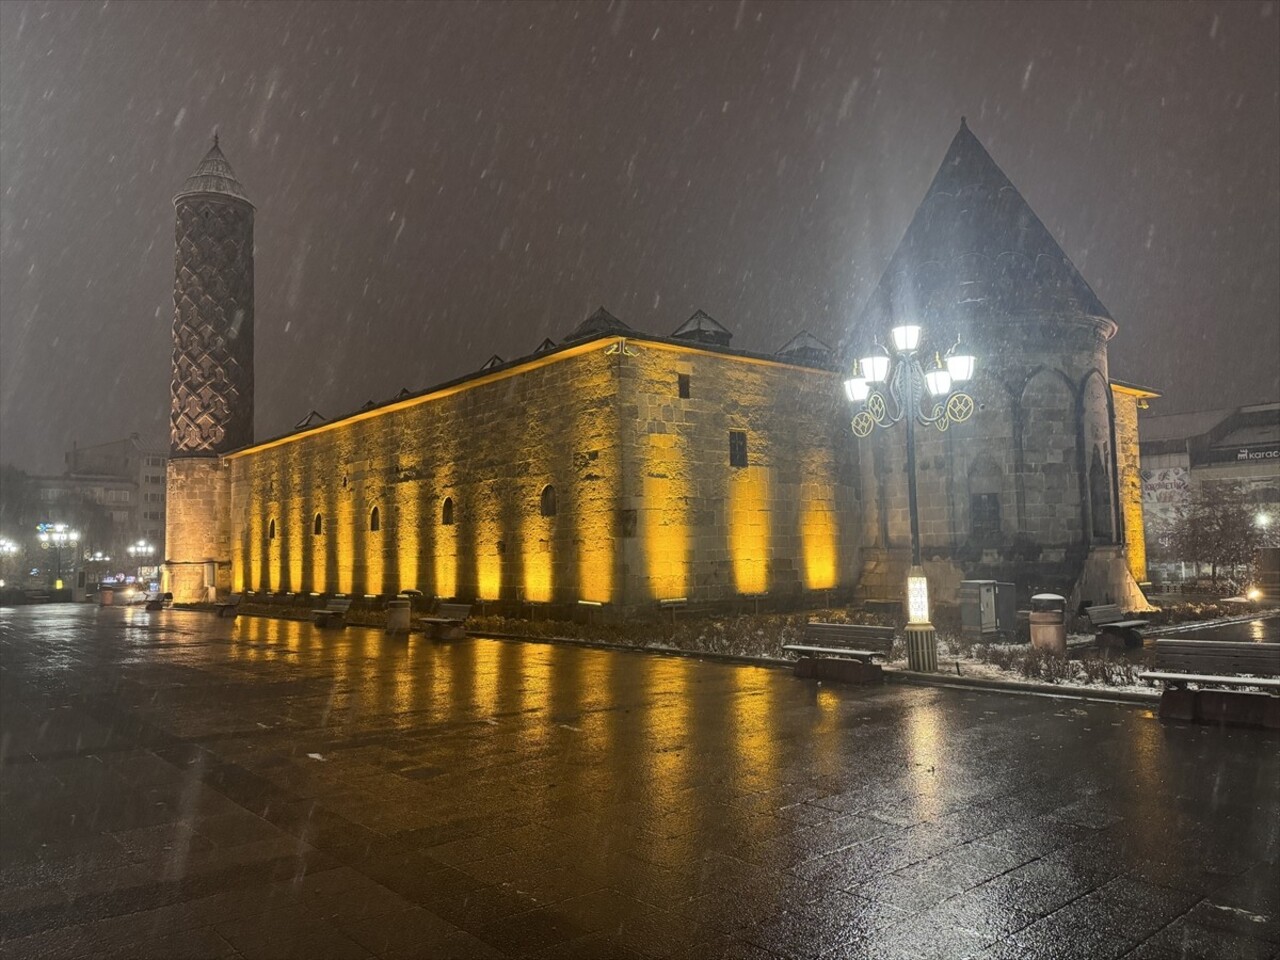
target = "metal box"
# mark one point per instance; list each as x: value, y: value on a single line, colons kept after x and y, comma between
x: 987, y: 608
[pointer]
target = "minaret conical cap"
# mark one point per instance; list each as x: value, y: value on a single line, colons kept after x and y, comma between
x: 214, y: 175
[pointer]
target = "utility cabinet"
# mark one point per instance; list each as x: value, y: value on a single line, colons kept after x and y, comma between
x: 988, y: 608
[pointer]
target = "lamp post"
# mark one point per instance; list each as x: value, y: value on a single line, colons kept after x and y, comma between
x: 890, y: 388
x: 141, y: 551
x: 8, y: 550
x: 59, y: 535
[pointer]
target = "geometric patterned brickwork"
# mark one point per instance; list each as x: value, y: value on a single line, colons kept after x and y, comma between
x: 212, y: 388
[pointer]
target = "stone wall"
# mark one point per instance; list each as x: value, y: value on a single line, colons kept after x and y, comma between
x: 698, y: 526
x: 197, y: 529
x: 458, y: 478
x: 1039, y: 440
x: 646, y: 503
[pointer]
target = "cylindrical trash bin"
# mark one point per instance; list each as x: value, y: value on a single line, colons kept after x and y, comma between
x: 1049, y: 623
x: 398, y: 616
x: 106, y: 596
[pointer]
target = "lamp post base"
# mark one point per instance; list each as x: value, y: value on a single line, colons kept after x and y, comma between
x: 922, y: 648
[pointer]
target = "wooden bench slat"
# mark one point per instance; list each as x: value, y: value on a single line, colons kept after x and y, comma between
x: 1214, y: 662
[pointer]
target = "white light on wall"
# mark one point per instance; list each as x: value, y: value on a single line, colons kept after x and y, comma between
x: 857, y: 389
x: 1263, y: 520
x: 917, y: 596
x: 960, y: 366
x: 906, y: 338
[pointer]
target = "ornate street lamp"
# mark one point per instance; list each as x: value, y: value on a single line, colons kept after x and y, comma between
x: 58, y: 535
x: 890, y: 388
x: 141, y: 551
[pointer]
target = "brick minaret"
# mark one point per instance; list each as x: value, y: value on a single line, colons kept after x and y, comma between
x: 211, y: 408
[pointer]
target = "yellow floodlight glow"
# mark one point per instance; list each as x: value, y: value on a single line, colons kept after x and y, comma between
x: 666, y: 523
x: 536, y: 554
x: 819, y: 523
x: 749, y: 529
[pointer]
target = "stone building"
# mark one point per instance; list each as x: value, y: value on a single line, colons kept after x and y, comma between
x: 624, y: 468
x: 1034, y: 487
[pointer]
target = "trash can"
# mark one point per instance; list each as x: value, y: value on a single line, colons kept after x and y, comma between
x: 1049, y: 623
x: 398, y: 616
x: 106, y: 596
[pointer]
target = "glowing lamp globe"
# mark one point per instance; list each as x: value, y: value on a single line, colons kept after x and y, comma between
x: 857, y: 389
x: 875, y: 366
x: 906, y: 338
x: 938, y: 381
x: 961, y: 366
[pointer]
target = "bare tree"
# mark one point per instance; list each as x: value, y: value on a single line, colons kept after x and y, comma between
x: 1218, y: 526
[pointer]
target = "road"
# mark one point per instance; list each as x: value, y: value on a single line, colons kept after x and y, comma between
x: 175, y: 785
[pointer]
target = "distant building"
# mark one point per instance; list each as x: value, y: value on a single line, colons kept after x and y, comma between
x: 1185, y: 453
x: 115, y: 491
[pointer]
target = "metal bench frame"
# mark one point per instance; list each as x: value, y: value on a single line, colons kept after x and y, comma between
x: 335, y: 611
x: 446, y: 623
x: 230, y: 607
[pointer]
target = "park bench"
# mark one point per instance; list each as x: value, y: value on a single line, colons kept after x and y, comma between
x: 1107, y: 618
x: 334, y: 612
x: 229, y: 607
x: 158, y: 601
x: 850, y: 640
x: 1214, y: 664
x: 841, y: 651
x: 446, y: 623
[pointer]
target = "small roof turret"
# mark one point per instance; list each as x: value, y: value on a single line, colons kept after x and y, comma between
x: 214, y: 175
x: 804, y: 347
x: 600, y: 322
x: 703, y: 328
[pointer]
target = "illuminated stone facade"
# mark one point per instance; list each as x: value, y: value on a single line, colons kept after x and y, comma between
x: 623, y: 468
x: 581, y: 474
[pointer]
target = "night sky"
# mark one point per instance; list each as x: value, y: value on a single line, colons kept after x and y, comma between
x: 436, y: 183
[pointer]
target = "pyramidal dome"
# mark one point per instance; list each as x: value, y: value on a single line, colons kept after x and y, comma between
x: 976, y: 254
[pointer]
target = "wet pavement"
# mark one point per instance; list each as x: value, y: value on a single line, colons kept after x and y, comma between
x: 178, y: 786
x: 1260, y: 630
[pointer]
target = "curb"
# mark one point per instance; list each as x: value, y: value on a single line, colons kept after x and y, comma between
x: 892, y: 674
x: 896, y: 675
x: 771, y: 662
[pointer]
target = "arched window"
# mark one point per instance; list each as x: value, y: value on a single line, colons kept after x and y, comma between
x: 375, y: 519
x: 548, y: 501
x: 446, y: 512
x: 317, y: 527
x: 1100, y: 498
x: 271, y: 530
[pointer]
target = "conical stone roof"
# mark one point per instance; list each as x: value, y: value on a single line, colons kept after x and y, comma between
x: 214, y: 175
x: 976, y: 254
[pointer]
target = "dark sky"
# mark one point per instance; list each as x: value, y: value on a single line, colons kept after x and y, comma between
x: 439, y: 182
